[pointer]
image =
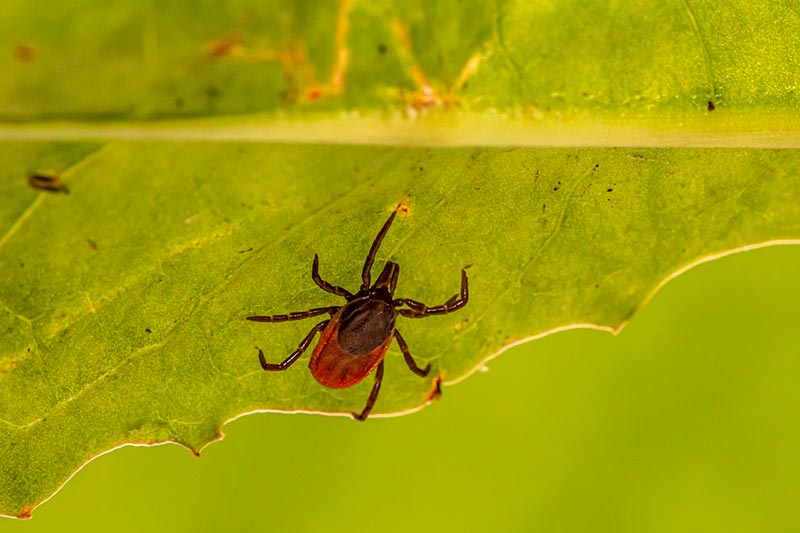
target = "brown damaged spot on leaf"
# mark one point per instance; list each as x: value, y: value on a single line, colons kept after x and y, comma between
x: 8, y: 366
x: 225, y: 47
x: 302, y: 83
x: 335, y: 84
x: 24, y: 53
x: 404, y: 208
x: 291, y: 58
x: 427, y: 96
x: 436, y: 390
x: 46, y: 181
x: 230, y: 45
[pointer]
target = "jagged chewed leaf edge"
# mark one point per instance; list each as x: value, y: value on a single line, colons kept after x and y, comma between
x: 481, y: 366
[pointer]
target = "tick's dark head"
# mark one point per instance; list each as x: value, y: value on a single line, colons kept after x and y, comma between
x: 388, y: 278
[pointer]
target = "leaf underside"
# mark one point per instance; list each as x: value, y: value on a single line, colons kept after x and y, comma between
x: 123, y: 301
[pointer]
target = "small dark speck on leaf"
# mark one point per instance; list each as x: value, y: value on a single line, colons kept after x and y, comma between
x: 596, y: 285
x: 711, y: 106
x: 42, y: 181
x: 147, y: 330
x: 557, y: 187
x: 92, y: 244
x: 213, y: 92
x: 597, y: 166
x: 382, y: 48
x: 421, y: 169
x: 245, y: 251
x: 544, y: 207
x: 609, y: 190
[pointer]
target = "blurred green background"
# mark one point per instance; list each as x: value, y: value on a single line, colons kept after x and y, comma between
x: 687, y: 421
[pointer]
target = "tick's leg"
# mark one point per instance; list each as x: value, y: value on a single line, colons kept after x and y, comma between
x: 294, y: 316
x: 421, y: 372
x: 365, y: 279
x: 286, y: 363
x: 324, y: 285
x: 420, y: 310
x: 372, y: 395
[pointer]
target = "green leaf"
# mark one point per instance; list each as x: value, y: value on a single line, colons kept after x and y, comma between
x: 122, y: 320
x: 143, y: 339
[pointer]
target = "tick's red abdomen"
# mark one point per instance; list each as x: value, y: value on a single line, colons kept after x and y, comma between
x: 337, y: 369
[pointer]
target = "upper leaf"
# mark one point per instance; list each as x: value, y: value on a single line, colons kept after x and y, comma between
x: 505, y: 72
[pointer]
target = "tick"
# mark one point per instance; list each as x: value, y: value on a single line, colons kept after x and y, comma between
x: 354, y: 340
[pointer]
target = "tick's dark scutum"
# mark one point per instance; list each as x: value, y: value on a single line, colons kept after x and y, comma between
x: 365, y: 325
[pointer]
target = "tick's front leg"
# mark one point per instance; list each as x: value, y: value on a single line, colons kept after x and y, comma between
x: 294, y: 316
x: 324, y: 285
